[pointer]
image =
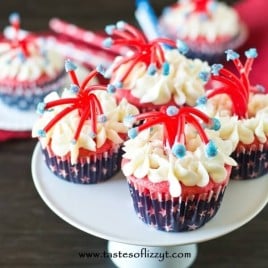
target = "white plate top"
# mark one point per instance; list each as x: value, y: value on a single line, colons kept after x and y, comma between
x: 105, y: 210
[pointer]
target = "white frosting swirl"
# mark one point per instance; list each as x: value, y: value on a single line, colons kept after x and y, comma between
x: 147, y: 157
x: 62, y: 133
x: 182, y: 84
x: 41, y: 62
x: 222, y: 21
x: 240, y: 130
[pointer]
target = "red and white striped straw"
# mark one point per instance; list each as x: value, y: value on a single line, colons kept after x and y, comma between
x: 88, y: 37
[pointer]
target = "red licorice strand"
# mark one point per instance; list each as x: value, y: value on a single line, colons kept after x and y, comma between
x: 193, y: 121
x: 58, y: 117
x: 54, y: 103
x: 94, y: 87
x: 151, y: 122
x: 248, y: 65
x: 171, y: 126
x: 135, y: 33
x: 123, y: 61
x: 235, y: 97
x: 191, y: 110
x: 98, y: 107
x: 82, y: 120
x: 88, y: 78
x: 118, y: 34
x: 73, y: 77
x: 144, y: 116
x: 180, y: 137
x: 130, y: 43
x: 160, y: 55
x: 164, y: 41
x: 93, y: 114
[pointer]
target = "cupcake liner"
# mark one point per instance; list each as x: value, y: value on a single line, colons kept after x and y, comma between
x: 88, y: 170
x: 175, y: 214
x: 252, y: 161
x: 24, y: 98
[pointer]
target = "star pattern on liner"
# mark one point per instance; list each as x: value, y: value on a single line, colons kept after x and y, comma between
x: 85, y: 179
x: 192, y: 227
x: 74, y: 170
x: 163, y: 212
x: 168, y: 228
x: 151, y: 211
x: 202, y: 214
x: 93, y: 168
x: 262, y: 157
x: 52, y: 167
x: 104, y: 171
x: 63, y: 173
x: 211, y: 212
x: 140, y: 205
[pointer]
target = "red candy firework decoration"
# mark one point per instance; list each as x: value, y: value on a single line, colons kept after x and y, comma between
x: 238, y: 88
x: 173, y: 120
x: 17, y: 41
x: 85, y: 102
x: 151, y: 53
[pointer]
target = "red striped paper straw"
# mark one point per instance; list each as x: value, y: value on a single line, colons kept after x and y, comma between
x: 85, y: 36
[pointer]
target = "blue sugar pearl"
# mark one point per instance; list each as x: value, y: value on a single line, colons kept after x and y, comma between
x: 260, y: 88
x: 109, y: 29
x: 92, y: 135
x: 69, y: 66
x: 201, y: 100
x: 120, y: 25
x: 108, y: 42
x: 14, y: 17
x: 41, y: 133
x: 100, y: 69
x: 183, y: 48
x: 165, y: 68
x: 102, y: 118
x: 73, y: 141
x: 74, y: 88
x: 178, y: 150
x: 216, y: 124
x: 204, y: 76
x: 129, y: 120
x: 211, y: 149
x: 172, y: 110
x: 151, y: 69
x: 231, y: 55
x: 118, y: 84
x: 251, y: 53
x: 132, y: 133
x: 40, y: 108
x: 21, y: 56
x: 111, y: 88
x: 215, y: 69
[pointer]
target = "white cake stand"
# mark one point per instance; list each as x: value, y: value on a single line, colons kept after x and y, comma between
x: 105, y: 210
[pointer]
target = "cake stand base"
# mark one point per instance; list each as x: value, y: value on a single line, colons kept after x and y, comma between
x: 132, y: 256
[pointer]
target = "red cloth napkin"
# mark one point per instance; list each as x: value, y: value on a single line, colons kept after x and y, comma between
x: 254, y: 13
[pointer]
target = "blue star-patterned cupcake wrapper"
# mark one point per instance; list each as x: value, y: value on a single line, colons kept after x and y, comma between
x: 176, y: 214
x: 252, y: 162
x: 88, y: 170
x: 26, y: 99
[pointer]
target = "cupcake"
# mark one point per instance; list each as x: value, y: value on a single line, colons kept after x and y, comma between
x: 154, y: 73
x: 81, y: 131
x: 243, y: 112
x: 177, y: 171
x: 29, y: 70
x: 208, y: 27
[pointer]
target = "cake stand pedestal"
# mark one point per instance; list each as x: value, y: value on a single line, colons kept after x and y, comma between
x: 105, y: 210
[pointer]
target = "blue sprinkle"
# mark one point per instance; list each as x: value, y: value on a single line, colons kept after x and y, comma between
x: 73, y: 141
x: 41, y: 133
x: 120, y: 25
x: 40, y: 107
x: 165, y: 68
x: 111, y: 88
x: 21, y: 56
x: 215, y: 69
x: 109, y: 29
x: 92, y: 135
x: 132, y: 133
x: 183, y: 48
x: 216, y: 125
x: 231, y: 55
x: 204, y: 76
x: 118, y: 84
x: 151, y: 69
x: 100, y: 69
x: 108, y: 42
x: 178, y: 150
x: 251, y: 53
x: 129, y: 120
x: 201, y: 100
x: 211, y: 149
x: 212, y: 6
x: 260, y: 88
x: 172, y: 110
x: 74, y: 88
x: 69, y: 66
x: 14, y: 17
x: 102, y: 118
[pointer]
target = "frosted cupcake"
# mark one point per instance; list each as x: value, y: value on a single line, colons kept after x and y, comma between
x: 208, y: 27
x: 154, y: 73
x: 81, y: 132
x: 177, y: 171
x: 29, y: 70
x: 243, y: 112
